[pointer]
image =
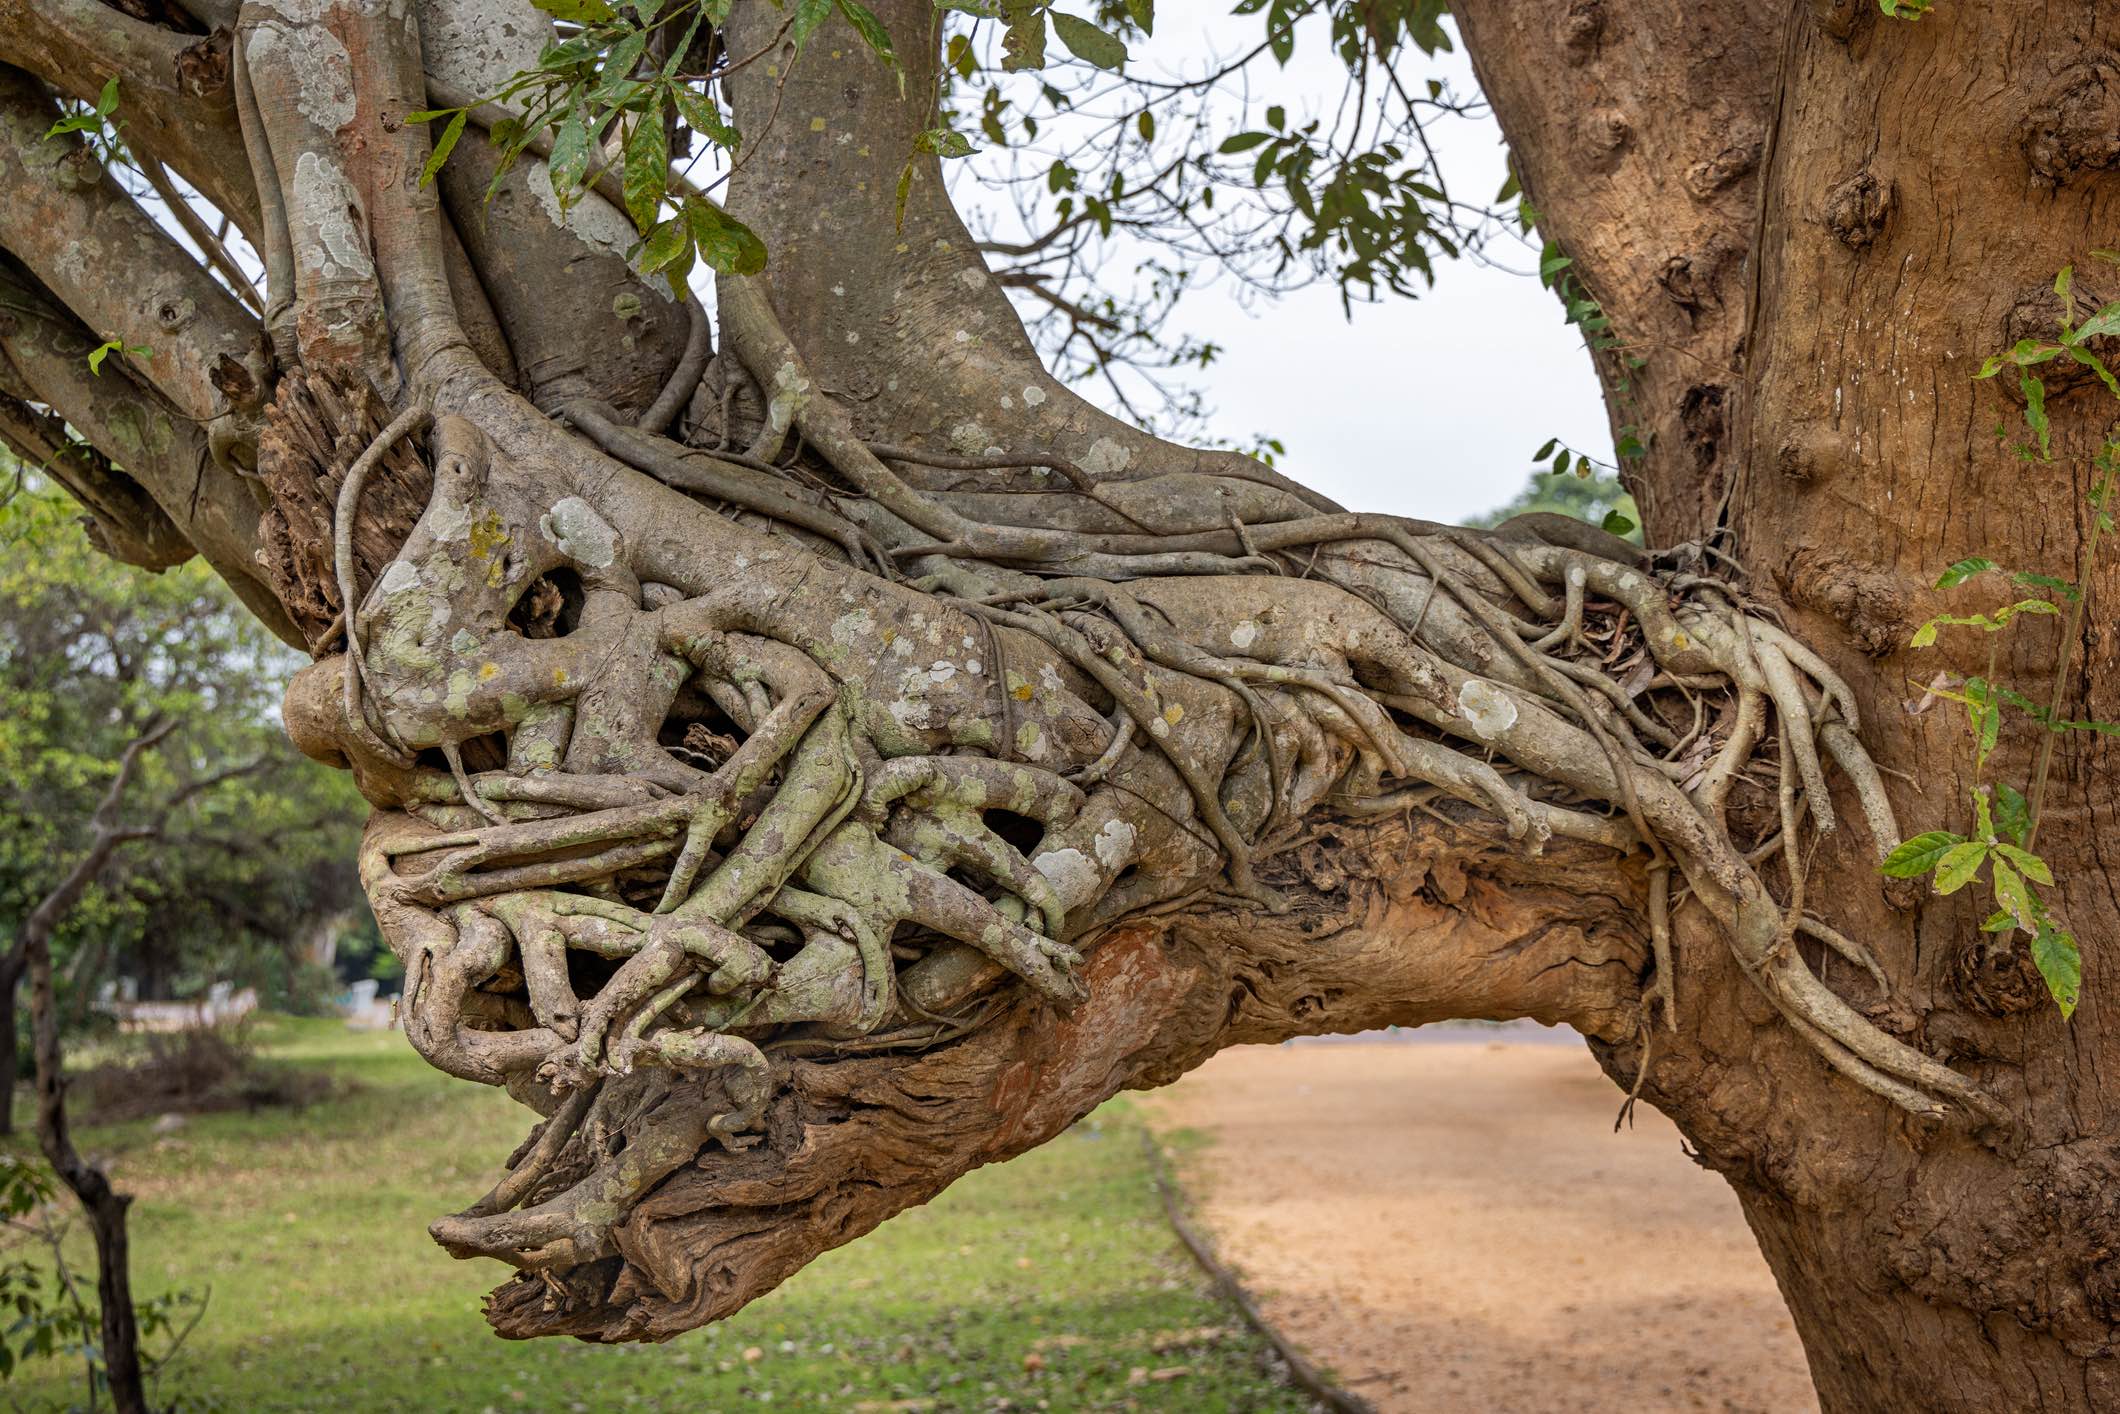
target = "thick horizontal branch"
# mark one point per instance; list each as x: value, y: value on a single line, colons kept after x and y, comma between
x: 1396, y: 923
x: 174, y: 97
x: 165, y: 454
x: 117, y: 270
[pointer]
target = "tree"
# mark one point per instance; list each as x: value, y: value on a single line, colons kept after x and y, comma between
x: 742, y: 704
x: 89, y: 656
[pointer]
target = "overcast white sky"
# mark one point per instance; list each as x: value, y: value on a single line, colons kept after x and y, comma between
x: 1428, y: 407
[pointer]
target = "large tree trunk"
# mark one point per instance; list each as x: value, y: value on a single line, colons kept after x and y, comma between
x: 798, y: 828
x: 1880, y: 205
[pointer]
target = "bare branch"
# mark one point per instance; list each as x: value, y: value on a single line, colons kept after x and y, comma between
x: 173, y: 89
x: 109, y: 262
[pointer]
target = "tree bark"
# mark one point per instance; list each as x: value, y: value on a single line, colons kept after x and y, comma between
x: 103, y: 1205
x: 1901, y: 197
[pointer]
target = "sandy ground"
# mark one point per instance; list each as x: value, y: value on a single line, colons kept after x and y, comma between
x: 1453, y: 1226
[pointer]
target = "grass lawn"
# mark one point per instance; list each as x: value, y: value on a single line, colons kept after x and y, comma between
x: 1046, y: 1283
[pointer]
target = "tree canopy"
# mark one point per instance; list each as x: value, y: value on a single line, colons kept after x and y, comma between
x: 91, y: 654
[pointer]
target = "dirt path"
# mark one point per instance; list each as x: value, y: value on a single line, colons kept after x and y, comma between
x: 1453, y: 1226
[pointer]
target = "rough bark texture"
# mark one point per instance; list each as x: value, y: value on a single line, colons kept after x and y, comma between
x: 863, y: 780
x: 1917, y: 189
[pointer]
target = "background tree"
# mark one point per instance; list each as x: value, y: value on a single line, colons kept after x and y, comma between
x: 740, y: 703
x: 90, y: 655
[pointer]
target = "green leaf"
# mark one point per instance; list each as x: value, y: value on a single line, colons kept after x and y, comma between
x: 647, y: 170
x: 2012, y: 816
x: 2015, y: 898
x: 725, y: 243
x: 1964, y: 570
x: 809, y: 14
x: 1983, y: 818
x: 944, y: 142
x: 1143, y: 13
x: 2055, y: 954
x: 1617, y: 524
x: 1998, y: 922
x: 2096, y: 365
x: 2047, y: 581
x: 2035, y: 412
x: 1984, y: 714
x: 2105, y: 321
x: 703, y: 115
x: 1243, y: 142
x: 664, y: 244
x: 579, y: 12
x: 1958, y: 865
x: 107, y: 100
x: 618, y: 65
x: 569, y: 163
x: 871, y: 30
x: 1088, y: 43
x: 1923, y: 636
x: 1145, y: 124
x: 2033, y: 867
x: 443, y: 146
x: 1023, y: 43
x: 98, y: 354
x: 1920, y: 855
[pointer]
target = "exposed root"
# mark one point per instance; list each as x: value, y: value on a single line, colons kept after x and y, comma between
x: 714, y: 796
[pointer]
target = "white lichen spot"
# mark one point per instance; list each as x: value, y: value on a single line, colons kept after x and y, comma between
x: 1578, y: 576
x: 972, y: 666
x: 1073, y: 877
x: 1244, y: 634
x: 326, y: 203
x: 941, y: 670
x: 853, y: 336
x: 1106, y: 458
x: 839, y: 290
x: 319, y: 65
x: 1488, y: 709
x: 962, y: 336
x: 971, y: 279
x: 580, y: 533
x: 398, y: 575
x: 1114, y: 845
x: 849, y: 629
x: 449, y: 521
x: 1033, y: 396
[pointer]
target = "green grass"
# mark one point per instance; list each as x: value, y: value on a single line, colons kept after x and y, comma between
x: 1050, y: 1282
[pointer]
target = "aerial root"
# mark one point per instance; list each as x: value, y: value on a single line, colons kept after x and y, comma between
x: 759, y: 886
